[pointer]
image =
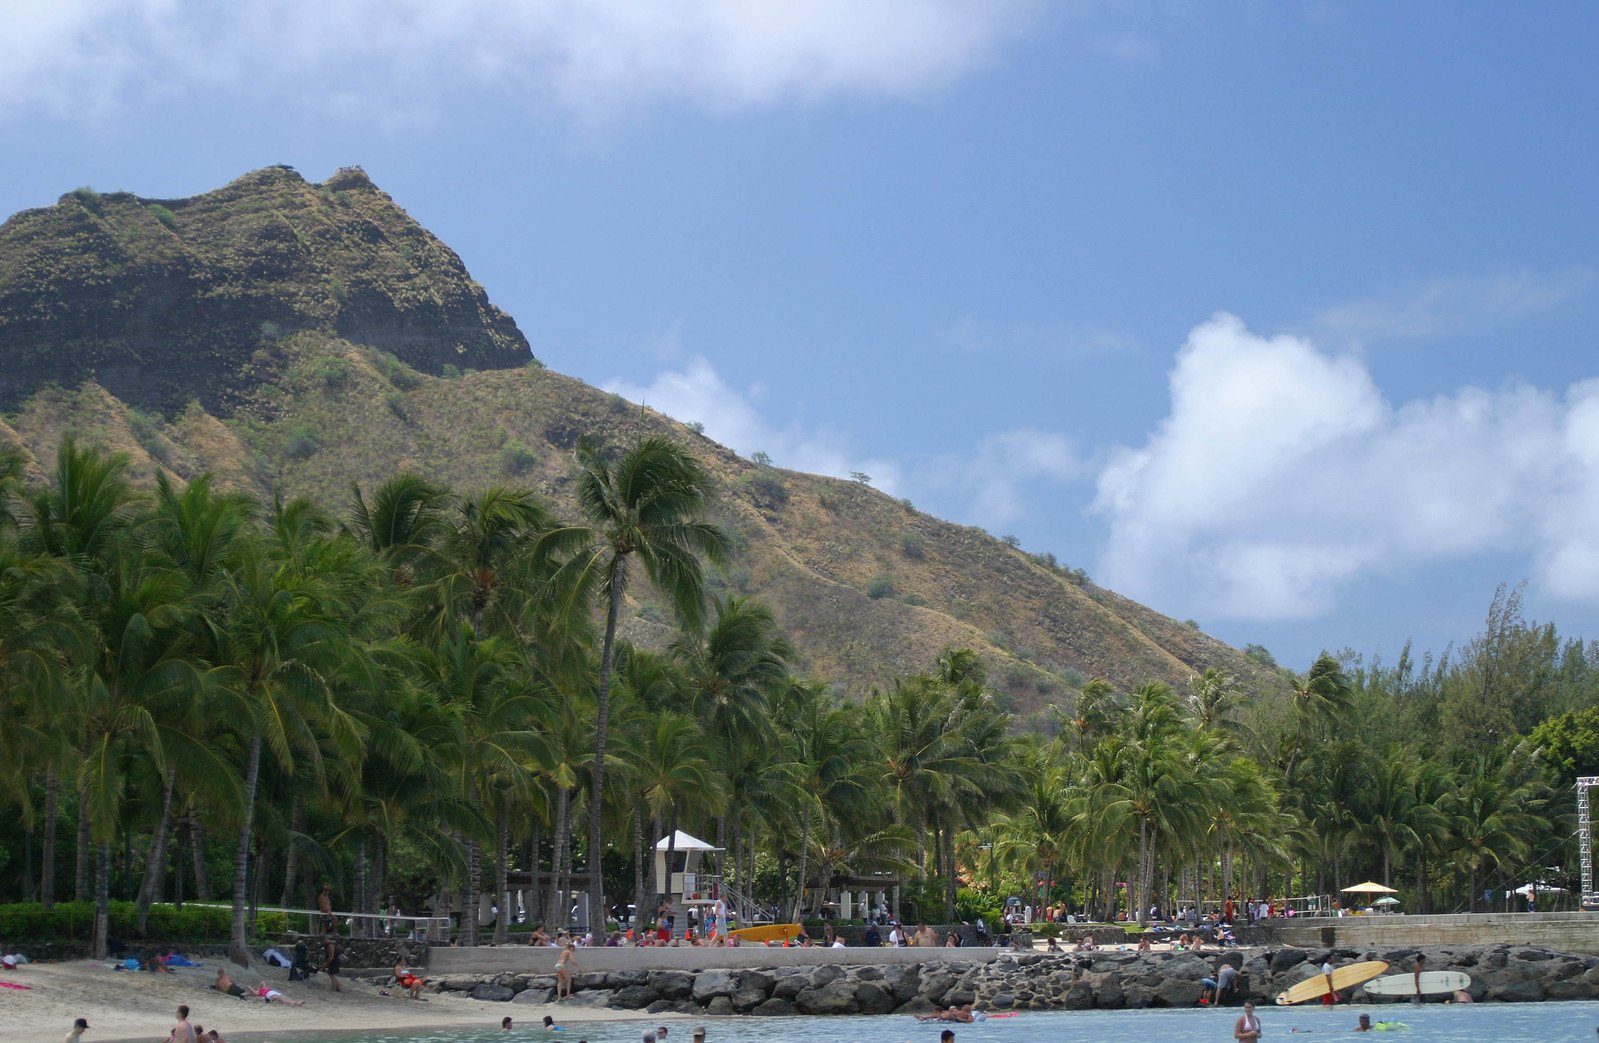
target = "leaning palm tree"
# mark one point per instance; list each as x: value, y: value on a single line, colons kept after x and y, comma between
x: 647, y: 503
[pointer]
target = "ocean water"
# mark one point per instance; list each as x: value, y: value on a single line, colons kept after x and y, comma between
x: 1566, y: 1022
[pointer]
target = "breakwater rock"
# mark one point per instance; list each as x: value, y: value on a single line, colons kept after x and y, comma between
x: 1071, y: 981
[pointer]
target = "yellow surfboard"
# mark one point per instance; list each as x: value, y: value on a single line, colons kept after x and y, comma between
x: 769, y: 932
x: 1345, y: 977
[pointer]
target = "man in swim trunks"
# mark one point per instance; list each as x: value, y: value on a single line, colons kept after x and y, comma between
x: 225, y: 984
x: 1365, y: 1023
x: 79, y: 1027
x: 1247, y: 1028
x: 330, y: 963
x: 324, y: 905
x: 1421, y: 965
x: 182, y: 1032
x: 1331, y: 995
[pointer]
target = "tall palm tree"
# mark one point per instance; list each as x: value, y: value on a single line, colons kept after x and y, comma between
x: 648, y: 503
x: 832, y: 763
x: 1318, y: 698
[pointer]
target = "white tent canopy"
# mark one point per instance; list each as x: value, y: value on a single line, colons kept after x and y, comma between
x: 681, y: 841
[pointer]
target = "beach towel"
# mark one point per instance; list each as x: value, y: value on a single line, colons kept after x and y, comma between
x: 276, y: 958
x: 174, y: 960
x: 13, y: 985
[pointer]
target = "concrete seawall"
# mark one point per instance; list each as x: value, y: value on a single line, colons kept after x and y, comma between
x: 1566, y: 932
x: 527, y: 959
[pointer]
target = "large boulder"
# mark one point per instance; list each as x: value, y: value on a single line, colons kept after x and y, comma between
x: 775, y: 1008
x: 790, y: 983
x: 1527, y: 990
x: 872, y: 998
x: 633, y: 997
x: 1287, y: 959
x: 825, y: 975
x: 904, y: 979
x: 1080, y: 996
x: 837, y: 997
x: 1177, y: 992
x: 493, y: 993
x: 672, y: 985
x: 534, y: 995
x: 719, y: 1007
x: 710, y: 984
x: 915, y: 1005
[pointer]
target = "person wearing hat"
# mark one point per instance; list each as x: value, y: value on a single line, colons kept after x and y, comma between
x: 79, y: 1027
x: 699, y: 1034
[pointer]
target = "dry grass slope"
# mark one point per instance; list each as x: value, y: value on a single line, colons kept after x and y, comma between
x: 870, y: 588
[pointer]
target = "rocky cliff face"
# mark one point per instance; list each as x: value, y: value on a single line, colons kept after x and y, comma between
x: 163, y: 301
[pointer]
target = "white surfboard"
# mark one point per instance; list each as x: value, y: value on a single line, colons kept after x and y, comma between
x: 1432, y: 982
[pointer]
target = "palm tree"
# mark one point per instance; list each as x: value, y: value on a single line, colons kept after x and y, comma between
x: 832, y: 766
x: 649, y: 502
x: 1318, y: 698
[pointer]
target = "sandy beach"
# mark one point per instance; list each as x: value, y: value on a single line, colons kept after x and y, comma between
x: 131, y: 1005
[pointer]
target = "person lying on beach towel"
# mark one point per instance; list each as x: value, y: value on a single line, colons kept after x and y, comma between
x: 270, y: 995
x: 173, y: 959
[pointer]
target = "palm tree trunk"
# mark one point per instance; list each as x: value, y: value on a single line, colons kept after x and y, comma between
x: 470, y: 894
x: 202, y: 879
x: 291, y: 858
x: 502, y: 871
x: 640, y: 898
x: 805, y: 844
x: 102, y: 903
x: 241, y: 854
x: 554, y: 908
x: 362, y: 926
x: 602, y: 720
x: 155, y: 866
x: 47, y: 875
x: 80, y: 880
x: 949, y: 876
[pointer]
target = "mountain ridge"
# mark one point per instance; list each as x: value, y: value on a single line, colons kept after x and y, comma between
x: 868, y: 587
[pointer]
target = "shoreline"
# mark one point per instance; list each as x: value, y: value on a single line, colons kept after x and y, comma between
x: 140, y: 1007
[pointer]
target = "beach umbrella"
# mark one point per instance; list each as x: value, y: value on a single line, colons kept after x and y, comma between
x: 1370, y: 888
x: 1386, y: 900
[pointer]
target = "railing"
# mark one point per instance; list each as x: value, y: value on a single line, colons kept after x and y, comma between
x: 431, y: 928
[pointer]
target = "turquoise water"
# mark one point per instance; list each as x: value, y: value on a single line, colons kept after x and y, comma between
x: 1570, y: 1022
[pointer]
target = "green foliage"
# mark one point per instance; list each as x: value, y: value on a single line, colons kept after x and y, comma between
x: 450, y: 371
x: 1568, y: 745
x: 336, y: 288
x: 302, y: 442
x: 910, y: 545
x: 698, y: 427
x: 165, y: 216
x: 762, y: 458
x: 881, y: 587
x: 1191, y: 624
x: 396, y: 403
x: 862, y: 477
x: 517, y: 458
x: 1260, y: 654
x: 332, y: 370
x: 915, y: 600
x: 146, y: 433
x: 616, y: 403
x: 1010, y: 541
x: 396, y: 372
x: 88, y: 197
x: 74, y: 921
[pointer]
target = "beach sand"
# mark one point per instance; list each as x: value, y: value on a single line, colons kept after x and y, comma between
x: 134, y: 1005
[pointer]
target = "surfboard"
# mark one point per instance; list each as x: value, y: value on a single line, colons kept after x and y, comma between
x: 1345, y: 977
x: 1431, y: 982
x: 767, y: 932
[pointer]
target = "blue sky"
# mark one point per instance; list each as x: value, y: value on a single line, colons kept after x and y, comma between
x: 1276, y: 316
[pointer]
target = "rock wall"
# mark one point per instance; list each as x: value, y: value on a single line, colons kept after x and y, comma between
x: 1103, y: 980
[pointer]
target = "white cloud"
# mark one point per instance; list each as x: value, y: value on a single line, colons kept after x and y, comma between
x: 697, y: 393
x: 995, y: 484
x: 1281, y: 473
x: 1446, y: 306
x: 594, y: 57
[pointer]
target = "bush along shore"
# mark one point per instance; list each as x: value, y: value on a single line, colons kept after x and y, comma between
x: 1070, y: 981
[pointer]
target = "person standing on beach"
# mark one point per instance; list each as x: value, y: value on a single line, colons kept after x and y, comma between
x: 324, y: 905
x: 563, y: 972
x: 333, y: 953
x: 1247, y: 1027
x: 182, y: 1032
x: 79, y: 1027
x: 1331, y: 995
x: 1421, y: 965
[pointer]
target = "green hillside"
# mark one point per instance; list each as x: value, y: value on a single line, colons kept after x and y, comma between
x: 302, y: 393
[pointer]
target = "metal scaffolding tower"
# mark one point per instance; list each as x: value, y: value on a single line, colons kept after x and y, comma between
x: 1585, y: 837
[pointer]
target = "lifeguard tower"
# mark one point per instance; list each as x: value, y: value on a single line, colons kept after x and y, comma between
x: 687, y: 883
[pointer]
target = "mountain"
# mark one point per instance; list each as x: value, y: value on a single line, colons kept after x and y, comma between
x: 299, y: 338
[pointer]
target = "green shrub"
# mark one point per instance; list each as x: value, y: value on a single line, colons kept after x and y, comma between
x: 762, y: 458
x: 698, y: 427
x: 450, y: 371
x: 616, y: 404
x: 74, y: 921
x: 915, y: 600
x: 1260, y: 654
x: 971, y: 903
x: 910, y: 545
x: 396, y: 372
x: 336, y: 288
x: 165, y: 216
x: 396, y: 403
x: 517, y: 458
x: 302, y: 442
x: 88, y: 197
x: 332, y: 370
x: 882, y: 587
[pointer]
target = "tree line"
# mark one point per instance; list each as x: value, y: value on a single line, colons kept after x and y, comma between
x: 432, y: 690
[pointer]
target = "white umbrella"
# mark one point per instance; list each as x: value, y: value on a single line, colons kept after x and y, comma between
x: 1386, y: 900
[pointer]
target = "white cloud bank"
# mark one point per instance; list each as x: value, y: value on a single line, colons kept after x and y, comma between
x: 988, y: 486
x: 71, y: 58
x: 1282, y: 473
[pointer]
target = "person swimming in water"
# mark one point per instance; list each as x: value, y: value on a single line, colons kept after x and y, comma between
x: 1247, y: 1028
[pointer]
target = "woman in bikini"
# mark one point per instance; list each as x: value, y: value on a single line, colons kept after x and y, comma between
x: 1247, y: 1028
x: 563, y: 972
